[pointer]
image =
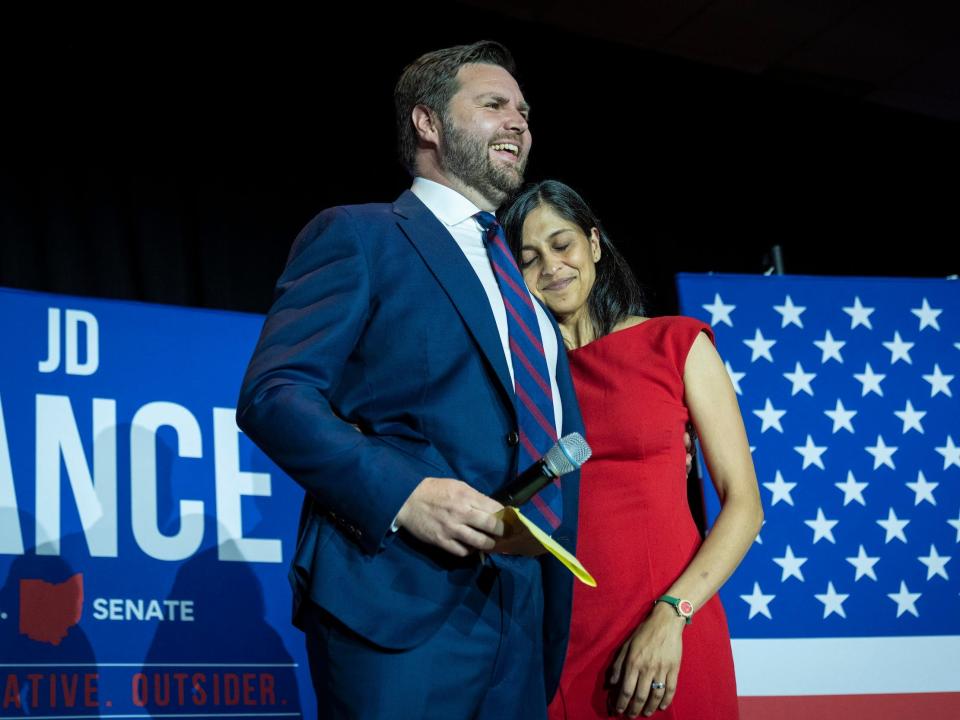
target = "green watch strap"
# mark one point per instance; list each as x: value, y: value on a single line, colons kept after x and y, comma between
x: 683, y: 608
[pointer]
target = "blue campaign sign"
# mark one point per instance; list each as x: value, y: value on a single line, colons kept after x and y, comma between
x: 144, y: 540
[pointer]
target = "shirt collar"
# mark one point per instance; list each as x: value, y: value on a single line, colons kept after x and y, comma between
x: 450, y: 207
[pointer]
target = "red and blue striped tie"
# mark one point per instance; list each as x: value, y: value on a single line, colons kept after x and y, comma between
x: 533, y: 397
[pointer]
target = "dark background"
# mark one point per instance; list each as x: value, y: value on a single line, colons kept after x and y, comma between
x: 173, y: 158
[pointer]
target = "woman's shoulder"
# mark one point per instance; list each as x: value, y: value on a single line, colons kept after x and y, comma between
x: 628, y: 322
x: 671, y: 336
x: 667, y: 324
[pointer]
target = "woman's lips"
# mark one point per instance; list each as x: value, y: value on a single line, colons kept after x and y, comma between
x: 558, y: 285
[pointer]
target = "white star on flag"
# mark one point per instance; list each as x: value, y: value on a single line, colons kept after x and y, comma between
x: 936, y: 563
x: 841, y: 417
x: 830, y: 348
x: 735, y: 377
x: 791, y: 565
x: 905, y: 600
x: 950, y: 452
x: 939, y: 383
x: 832, y: 602
x: 899, y: 350
x: 882, y: 454
x: 781, y: 490
x: 955, y: 524
x: 911, y: 418
x: 759, y: 603
x: 870, y: 381
x: 760, y: 347
x: 859, y: 315
x: 770, y: 416
x: 720, y: 313
x: 822, y: 528
x: 863, y: 564
x: 800, y: 380
x: 922, y: 489
x: 928, y: 315
x: 894, y: 527
x: 811, y: 454
x: 852, y: 490
x: 790, y: 313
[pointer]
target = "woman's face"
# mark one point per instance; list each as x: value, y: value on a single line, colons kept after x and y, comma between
x: 558, y: 261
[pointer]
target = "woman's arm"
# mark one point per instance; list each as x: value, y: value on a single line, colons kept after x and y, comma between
x: 715, y: 413
x: 653, y: 652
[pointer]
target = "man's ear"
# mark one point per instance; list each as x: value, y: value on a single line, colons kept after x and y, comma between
x: 427, y: 125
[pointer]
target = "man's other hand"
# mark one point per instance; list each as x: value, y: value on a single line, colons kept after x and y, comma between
x: 688, y: 436
x: 452, y: 515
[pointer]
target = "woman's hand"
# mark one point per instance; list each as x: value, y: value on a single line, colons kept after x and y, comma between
x: 652, y: 654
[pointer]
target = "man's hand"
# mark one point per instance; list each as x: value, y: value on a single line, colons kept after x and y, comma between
x: 688, y: 445
x: 452, y: 515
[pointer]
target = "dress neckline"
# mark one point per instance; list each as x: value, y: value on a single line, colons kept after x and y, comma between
x: 610, y: 335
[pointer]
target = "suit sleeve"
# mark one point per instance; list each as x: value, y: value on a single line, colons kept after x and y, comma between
x: 321, y: 306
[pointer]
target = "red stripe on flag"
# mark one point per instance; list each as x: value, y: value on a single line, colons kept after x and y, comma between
x: 531, y: 407
x: 929, y: 706
x: 518, y: 352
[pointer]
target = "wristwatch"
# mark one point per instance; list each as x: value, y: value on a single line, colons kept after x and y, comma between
x: 683, y: 608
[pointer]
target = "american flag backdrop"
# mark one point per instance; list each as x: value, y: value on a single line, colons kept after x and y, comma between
x: 848, y: 603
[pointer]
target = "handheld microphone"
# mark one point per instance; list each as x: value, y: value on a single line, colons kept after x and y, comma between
x: 570, y: 452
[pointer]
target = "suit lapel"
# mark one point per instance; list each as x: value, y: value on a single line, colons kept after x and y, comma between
x: 453, y: 272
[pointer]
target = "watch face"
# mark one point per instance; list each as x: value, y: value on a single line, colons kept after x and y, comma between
x: 686, y: 607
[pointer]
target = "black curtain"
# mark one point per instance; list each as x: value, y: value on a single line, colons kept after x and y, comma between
x: 172, y: 159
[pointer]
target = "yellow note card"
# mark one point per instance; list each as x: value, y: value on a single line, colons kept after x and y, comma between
x: 553, y: 547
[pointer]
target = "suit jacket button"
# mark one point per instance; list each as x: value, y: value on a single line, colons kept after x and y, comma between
x: 513, y: 438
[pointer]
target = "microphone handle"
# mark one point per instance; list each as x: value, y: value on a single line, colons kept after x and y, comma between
x: 528, y: 483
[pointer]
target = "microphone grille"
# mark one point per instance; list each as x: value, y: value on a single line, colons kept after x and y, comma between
x: 570, y: 452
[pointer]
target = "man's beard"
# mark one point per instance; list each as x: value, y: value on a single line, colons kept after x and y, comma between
x: 467, y: 157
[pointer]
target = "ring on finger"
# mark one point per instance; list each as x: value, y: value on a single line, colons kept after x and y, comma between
x: 656, y: 685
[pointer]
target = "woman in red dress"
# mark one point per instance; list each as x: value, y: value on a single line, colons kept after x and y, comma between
x: 652, y: 637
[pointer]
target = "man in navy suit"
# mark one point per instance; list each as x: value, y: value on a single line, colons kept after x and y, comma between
x: 383, y: 383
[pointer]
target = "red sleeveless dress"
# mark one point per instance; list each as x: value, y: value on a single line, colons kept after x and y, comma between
x: 636, y: 532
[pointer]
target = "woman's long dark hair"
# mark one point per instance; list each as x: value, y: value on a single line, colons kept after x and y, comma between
x: 616, y: 292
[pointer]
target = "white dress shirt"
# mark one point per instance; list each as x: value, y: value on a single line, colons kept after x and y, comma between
x: 456, y: 213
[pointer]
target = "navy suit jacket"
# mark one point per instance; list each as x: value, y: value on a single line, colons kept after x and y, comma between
x: 380, y: 364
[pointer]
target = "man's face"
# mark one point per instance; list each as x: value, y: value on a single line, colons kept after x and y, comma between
x: 485, y: 139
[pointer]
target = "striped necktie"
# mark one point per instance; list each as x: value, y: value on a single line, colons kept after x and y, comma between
x: 533, y: 397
